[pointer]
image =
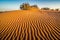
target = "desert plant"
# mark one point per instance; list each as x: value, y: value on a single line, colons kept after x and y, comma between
x: 24, y: 6
x: 45, y: 8
x: 56, y: 9
x: 34, y: 6
x: 1, y: 12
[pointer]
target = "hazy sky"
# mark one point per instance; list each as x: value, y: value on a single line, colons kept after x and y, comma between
x: 15, y: 4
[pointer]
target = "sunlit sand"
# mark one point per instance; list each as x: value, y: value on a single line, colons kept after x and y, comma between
x: 33, y: 24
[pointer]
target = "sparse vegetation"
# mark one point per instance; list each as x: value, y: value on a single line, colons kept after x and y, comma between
x: 26, y: 6
x: 0, y: 12
x: 45, y: 8
x: 57, y: 9
x: 34, y: 6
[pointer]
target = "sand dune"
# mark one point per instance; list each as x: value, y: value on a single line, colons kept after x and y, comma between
x: 30, y: 25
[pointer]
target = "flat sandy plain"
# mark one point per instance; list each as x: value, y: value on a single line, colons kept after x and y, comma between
x: 30, y: 25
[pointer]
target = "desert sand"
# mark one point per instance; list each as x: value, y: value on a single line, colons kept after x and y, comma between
x: 31, y: 24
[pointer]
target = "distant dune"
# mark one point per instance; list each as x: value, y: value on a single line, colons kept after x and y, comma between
x: 31, y: 24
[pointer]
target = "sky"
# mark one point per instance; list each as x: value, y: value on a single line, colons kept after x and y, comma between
x: 6, y: 5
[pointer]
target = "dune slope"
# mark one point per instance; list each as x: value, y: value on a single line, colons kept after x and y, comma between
x: 29, y: 25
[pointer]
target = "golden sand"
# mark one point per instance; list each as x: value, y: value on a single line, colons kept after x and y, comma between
x: 30, y: 25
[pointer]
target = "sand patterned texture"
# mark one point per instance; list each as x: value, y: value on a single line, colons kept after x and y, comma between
x: 30, y: 25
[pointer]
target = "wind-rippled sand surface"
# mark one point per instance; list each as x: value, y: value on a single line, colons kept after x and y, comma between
x: 30, y: 25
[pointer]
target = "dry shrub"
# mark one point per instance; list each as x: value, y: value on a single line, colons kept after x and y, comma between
x: 45, y: 8
x: 24, y: 6
x: 57, y: 9
x: 35, y: 6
